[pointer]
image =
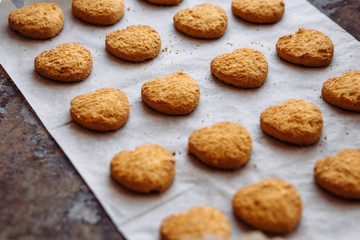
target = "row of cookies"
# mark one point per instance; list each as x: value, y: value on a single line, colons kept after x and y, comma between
x: 271, y: 205
x: 46, y: 20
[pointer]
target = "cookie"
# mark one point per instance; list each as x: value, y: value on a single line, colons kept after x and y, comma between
x: 165, y: 2
x: 149, y: 168
x: 306, y: 47
x: 136, y: 43
x: 224, y: 145
x: 340, y: 174
x: 174, y: 94
x: 244, y: 68
x: 68, y: 62
x: 294, y: 121
x: 106, y: 109
x: 259, y: 11
x: 38, y: 20
x: 271, y: 205
x: 202, y: 21
x: 343, y: 91
x: 198, y: 222
x: 100, y: 12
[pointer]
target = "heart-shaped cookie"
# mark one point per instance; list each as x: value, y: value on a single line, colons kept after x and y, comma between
x: 306, y: 47
x: 101, y: 12
x: 295, y: 121
x: 259, y: 11
x: 38, y: 20
x: 340, y: 174
x: 135, y: 43
x: 244, y: 68
x: 224, y: 145
x: 147, y: 169
x: 343, y: 91
x: 195, y: 224
x: 68, y: 62
x: 202, y: 21
x: 106, y: 109
x: 174, y: 94
x: 272, y: 205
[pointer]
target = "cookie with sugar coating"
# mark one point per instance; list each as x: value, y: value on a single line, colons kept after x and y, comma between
x: 202, y: 21
x: 196, y: 223
x: 68, y: 62
x: 307, y: 47
x: 174, y: 94
x: 340, y: 174
x: 295, y: 121
x: 224, y: 145
x: 244, y: 68
x: 343, y: 91
x: 106, y: 109
x: 165, y: 2
x: 100, y: 12
x: 271, y: 205
x: 38, y: 20
x: 149, y: 168
x: 136, y: 43
x: 259, y: 11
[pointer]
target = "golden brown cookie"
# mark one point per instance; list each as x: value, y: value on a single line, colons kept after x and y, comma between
x: 106, y: 109
x: 340, y: 174
x: 271, y: 205
x: 149, y: 168
x: 136, y: 43
x: 165, y: 2
x: 343, y: 91
x: 224, y: 145
x: 100, y: 12
x: 259, y: 11
x: 202, y: 21
x: 38, y: 20
x: 294, y: 121
x: 306, y: 47
x: 196, y: 223
x: 244, y: 68
x: 174, y: 94
x: 68, y: 62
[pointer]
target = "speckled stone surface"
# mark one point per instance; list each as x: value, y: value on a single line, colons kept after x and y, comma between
x: 41, y: 194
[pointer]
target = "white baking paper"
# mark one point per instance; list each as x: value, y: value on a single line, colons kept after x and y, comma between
x: 139, y: 216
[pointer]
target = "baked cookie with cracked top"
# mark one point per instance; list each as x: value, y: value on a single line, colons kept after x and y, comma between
x: 271, y: 205
x: 149, y: 168
x: 99, y: 12
x: 136, y: 43
x: 307, y: 47
x: 106, y: 109
x: 202, y: 21
x: 68, y: 62
x: 38, y: 20
x: 259, y: 11
x: 196, y: 223
x: 174, y: 94
x: 224, y: 145
x: 343, y: 91
x: 244, y: 68
x: 340, y: 174
x: 165, y: 2
x: 295, y: 121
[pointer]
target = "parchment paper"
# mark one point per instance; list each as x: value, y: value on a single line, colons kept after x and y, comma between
x: 139, y: 216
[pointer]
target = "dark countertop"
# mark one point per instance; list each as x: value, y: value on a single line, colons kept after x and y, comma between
x: 41, y: 194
